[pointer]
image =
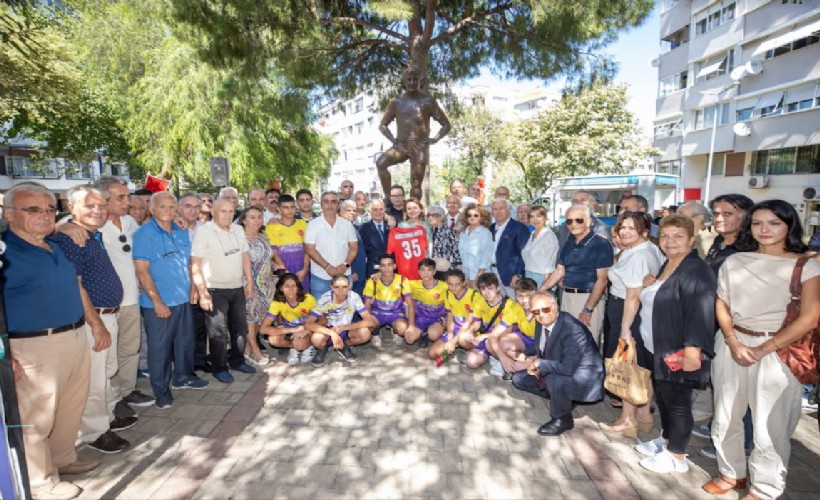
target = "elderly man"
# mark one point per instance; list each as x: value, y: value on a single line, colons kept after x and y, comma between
x: 598, y: 226
x: 510, y: 237
x: 118, y: 239
x: 231, y: 194
x: 453, y: 216
x: 332, y: 245
x: 358, y: 268
x: 564, y: 364
x: 99, y: 284
x: 522, y: 214
x: 701, y: 217
x: 271, y: 205
x: 138, y: 209
x: 346, y: 190
x: 49, y: 347
x: 287, y: 239
x: 162, y: 254
x: 583, y: 263
x: 256, y: 198
x: 637, y: 203
x: 219, y: 262
x: 458, y: 190
x: 374, y: 235
x: 304, y: 201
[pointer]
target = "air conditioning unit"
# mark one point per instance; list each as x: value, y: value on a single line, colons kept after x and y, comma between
x: 758, y: 181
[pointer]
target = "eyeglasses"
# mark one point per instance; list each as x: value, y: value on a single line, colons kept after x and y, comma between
x: 569, y: 222
x: 472, y: 216
x: 51, y: 210
x: 126, y: 247
x: 232, y: 250
x: 543, y: 310
x: 433, y: 215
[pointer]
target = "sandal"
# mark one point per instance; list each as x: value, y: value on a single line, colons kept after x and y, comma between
x: 622, y: 429
x: 716, y: 489
x: 260, y: 360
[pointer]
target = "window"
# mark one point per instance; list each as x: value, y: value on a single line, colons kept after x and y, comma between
x: 359, y: 128
x: 119, y: 170
x: 795, y: 45
x: 800, y: 98
x: 77, y: 170
x: 706, y: 116
x: 718, y: 164
x: 715, y: 66
x: 21, y: 166
x: 358, y: 104
x: 709, y: 19
x: 770, y: 105
x: 669, y: 129
x: 3, y: 170
x: 672, y: 84
x: 801, y: 160
x: 675, y: 40
x: 668, y: 167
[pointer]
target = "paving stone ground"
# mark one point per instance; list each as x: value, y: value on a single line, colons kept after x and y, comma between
x: 392, y: 425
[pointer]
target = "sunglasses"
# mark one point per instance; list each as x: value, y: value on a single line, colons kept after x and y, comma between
x: 471, y: 216
x: 569, y: 222
x: 543, y: 310
x: 126, y: 247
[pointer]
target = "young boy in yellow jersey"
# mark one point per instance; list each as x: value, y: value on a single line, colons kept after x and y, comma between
x: 387, y: 296
x: 516, y: 331
x: 491, y: 312
x: 428, y: 303
x: 460, y: 303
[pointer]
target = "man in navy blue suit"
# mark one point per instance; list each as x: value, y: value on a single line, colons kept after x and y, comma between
x: 510, y: 237
x: 564, y: 364
x: 374, y: 236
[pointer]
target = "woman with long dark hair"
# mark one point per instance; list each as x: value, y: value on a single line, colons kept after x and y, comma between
x: 753, y: 292
x: 284, y: 323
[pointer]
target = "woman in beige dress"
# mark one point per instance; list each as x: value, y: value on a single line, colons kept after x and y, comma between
x: 753, y: 291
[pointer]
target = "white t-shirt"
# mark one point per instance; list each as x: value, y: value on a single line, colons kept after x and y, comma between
x: 332, y: 242
x: 338, y: 314
x: 647, y: 303
x: 122, y: 260
x: 221, y: 252
x: 541, y: 252
x: 634, y: 264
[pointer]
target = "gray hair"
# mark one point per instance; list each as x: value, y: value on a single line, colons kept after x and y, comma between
x: 254, y: 189
x: 697, y: 209
x: 543, y: 295
x: 28, y: 187
x: 376, y: 201
x: 106, y: 181
x: 228, y: 189
x: 347, y: 203
x: 159, y: 194
x: 501, y: 200
x: 583, y: 208
x: 77, y: 194
x: 221, y: 201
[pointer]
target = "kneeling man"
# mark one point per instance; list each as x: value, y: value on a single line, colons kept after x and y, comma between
x: 564, y: 364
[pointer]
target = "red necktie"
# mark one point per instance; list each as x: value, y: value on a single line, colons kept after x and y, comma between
x: 452, y: 222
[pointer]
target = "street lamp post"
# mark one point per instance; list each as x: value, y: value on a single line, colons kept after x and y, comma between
x: 717, y: 95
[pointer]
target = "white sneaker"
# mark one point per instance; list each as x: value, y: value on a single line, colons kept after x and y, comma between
x: 307, y: 355
x: 496, y: 368
x: 376, y: 341
x: 664, y: 463
x: 651, y: 448
x: 293, y: 356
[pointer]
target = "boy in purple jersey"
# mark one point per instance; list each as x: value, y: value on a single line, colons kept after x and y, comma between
x: 459, y: 302
x: 387, y: 297
x: 428, y: 302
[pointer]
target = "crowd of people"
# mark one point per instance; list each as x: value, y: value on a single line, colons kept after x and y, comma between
x: 176, y: 288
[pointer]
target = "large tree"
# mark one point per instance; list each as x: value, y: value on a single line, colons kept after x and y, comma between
x: 347, y: 45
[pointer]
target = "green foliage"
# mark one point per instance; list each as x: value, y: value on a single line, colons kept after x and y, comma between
x: 348, y: 45
x: 591, y: 132
x: 177, y: 111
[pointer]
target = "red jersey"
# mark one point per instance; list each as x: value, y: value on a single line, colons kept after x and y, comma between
x: 409, y: 245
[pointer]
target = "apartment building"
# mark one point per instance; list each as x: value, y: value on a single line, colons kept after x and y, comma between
x: 739, y: 80
x: 354, y: 126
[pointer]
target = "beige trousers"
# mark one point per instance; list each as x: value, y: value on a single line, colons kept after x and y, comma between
x: 773, y: 394
x: 99, y: 408
x: 51, y: 396
x: 128, y: 351
x: 573, y: 303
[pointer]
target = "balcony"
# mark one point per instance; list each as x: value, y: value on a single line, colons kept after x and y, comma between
x: 675, y: 18
x: 697, y: 142
x: 783, y: 131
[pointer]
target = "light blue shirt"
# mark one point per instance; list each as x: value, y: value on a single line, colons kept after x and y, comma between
x: 476, y: 250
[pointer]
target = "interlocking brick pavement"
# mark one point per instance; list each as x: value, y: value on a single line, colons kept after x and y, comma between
x: 392, y: 425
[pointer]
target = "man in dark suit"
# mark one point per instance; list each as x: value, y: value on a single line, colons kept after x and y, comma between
x: 374, y: 236
x: 510, y: 238
x: 564, y: 364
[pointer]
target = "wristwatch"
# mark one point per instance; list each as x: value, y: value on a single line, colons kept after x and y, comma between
x: 588, y: 309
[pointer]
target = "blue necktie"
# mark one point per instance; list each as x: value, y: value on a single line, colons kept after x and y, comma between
x: 381, y: 230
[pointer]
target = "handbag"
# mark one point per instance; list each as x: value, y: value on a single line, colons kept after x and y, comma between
x: 624, y: 377
x: 801, y: 355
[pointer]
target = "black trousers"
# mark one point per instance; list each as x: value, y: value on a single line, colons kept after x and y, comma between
x: 200, y: 335
x: 560, y: 403
x: 675, y: 405
x: 227, y: 327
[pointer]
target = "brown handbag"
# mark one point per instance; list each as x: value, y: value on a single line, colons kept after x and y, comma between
x: 801, y: 355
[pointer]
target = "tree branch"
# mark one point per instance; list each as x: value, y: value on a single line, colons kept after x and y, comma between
x: 452, y: 30
x: 429, y: 20
x: 374, y: 27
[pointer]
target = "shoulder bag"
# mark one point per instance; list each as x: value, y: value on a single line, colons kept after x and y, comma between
x: 801, y: 355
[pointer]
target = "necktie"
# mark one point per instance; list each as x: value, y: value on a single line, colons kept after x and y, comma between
x: 381, y: 230
x: 542, y: 345
x: 452, y: 222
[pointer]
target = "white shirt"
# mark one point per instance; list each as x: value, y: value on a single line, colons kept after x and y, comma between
x: 332, y: 242
x: 632, y: 266
x: 221, y: 252
x: 452, y: 221
x: 269, y: 216
x: 122, y: 260
x: 647, y: 303
x: 545, y: 335
x: 499, y: 230
x: 541, y: 252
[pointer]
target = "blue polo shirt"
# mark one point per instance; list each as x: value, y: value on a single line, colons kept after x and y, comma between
x: 94, y: 266
x: 582, y: 259
x: 169, y: 256
x: 40, y: 288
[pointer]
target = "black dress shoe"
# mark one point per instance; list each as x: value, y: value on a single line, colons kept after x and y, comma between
x: 507, y: 377
x: 204, y: 367
x: 556, y: 426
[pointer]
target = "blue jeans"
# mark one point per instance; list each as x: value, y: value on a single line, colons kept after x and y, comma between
x: 318, y: 286
x: 170, y: 340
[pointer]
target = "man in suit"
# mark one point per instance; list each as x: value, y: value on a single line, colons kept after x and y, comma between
x: 374, y: 236
x: 564, y: 364
x: 510, y: 237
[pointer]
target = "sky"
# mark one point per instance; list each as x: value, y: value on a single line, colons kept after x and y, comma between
x: 633, y: 51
